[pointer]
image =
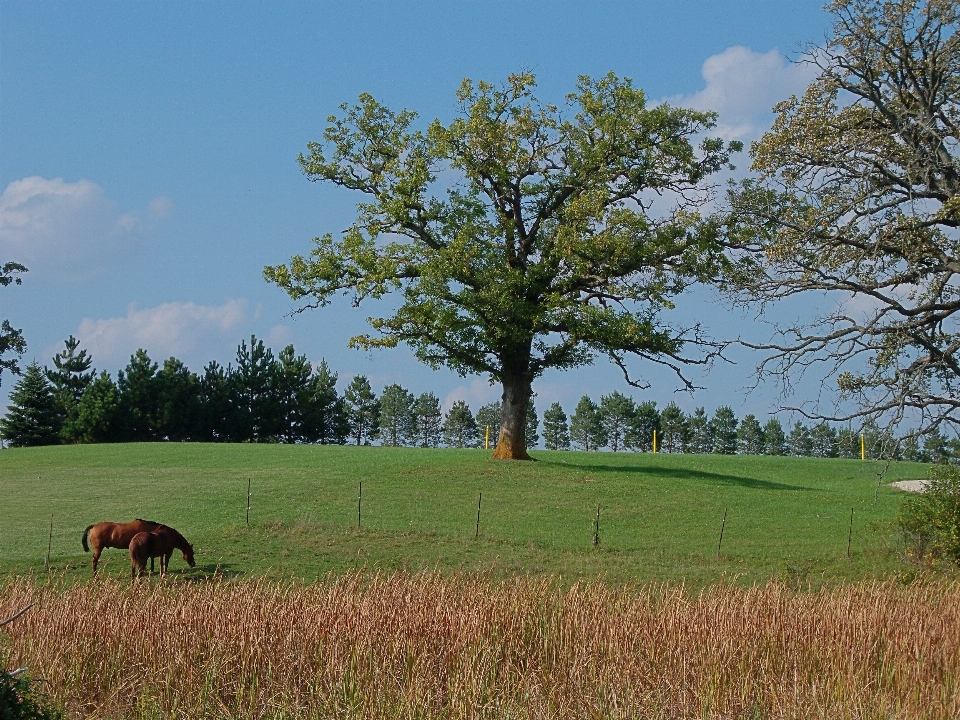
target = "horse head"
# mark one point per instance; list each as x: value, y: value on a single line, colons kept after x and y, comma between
x: 188, y: 555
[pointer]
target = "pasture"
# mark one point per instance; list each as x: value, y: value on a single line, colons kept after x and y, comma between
x: 660, y: 515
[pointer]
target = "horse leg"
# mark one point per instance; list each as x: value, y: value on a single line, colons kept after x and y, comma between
x: 96, y: 557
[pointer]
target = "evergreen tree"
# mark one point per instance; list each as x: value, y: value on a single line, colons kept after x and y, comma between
x: 750, y: 436
x: 823, y: 439
x: 556, y: 434
x: 673, y: 430
x: 255, y: 416
x: 774, y: 439
x: 910, y: 449
x: 33, y: 417
x: 139, y: 398
x: 100, y: 414
x: 215, y: 413
x: 293, y: 395
x: 799, y: 441
x: 724, y: 425
x: 586, y: 425
x: 70, y: 376
x: 532, y: 437
x: 363, y: 410
x: 489, y: 417
x: 459, y: 427
x: 178, y: 401
x: 616, y: 414
x: 935, y: 448
x: 397, y: 421
x: 848, y: 443
x: 701, y: 432
x: 328, y: 413
x: 646, y: 420
x: 429, y: 420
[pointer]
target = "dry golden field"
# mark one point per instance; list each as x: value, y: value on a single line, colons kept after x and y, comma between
x: 465, y: 646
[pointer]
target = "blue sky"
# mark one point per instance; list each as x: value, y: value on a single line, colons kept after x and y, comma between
x: 148, y: 157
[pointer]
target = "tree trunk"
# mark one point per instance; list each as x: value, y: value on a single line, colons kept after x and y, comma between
x: 512, y: 444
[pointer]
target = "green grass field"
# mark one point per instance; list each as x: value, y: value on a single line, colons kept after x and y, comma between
x: 660, y: 515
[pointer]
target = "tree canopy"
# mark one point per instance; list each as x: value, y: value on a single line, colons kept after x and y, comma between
x: 520, y: 236
x: 858, y: 197
x: 11, y: 339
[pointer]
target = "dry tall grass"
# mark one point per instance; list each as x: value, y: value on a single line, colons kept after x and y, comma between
x: 431, y: 646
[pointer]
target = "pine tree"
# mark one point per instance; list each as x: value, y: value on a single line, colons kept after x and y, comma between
x: 531, y: 437
x: 215, y: 413
x: 292, y: 394
x: 329, y: 424
x: 823, y: 440
x: 429, y: 420
x: 363, y: 410
x: 255, y: 416
x: 100, y: 415
x: 459, y: 427
x: 70, y: 377
x: 774, y: 439
x: 139, y: 398
x: 701, y: 432
x: 556, y: 434
x: 646, y: 420
x: 33, y: 417
x: 724, y: 424
x: 616, y: 414
x: 750, y: 436
x: 178, y: 401
x: 586, y: 425
x: 673, y: 430
x: 397, y: 422
x: 488, y: 420
x: 799, y: 441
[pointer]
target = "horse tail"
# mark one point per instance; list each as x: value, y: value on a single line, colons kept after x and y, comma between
x: 86, y: 548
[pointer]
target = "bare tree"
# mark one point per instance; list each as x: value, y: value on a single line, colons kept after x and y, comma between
x: 858, y: 199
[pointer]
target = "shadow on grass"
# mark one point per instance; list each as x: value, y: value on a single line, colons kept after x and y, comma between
x: 659, y: 471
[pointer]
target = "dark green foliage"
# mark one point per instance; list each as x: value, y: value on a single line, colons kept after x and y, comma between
x: 21, y: 699
x: 216, y: 404
x: 586, y: 425
x: 459, y: 427
x: 363, y: 410
x: 33, y: 417
x: 489, y: 417
x: 823, y: 440
x: 724, y: 426
x: 617, y: 415
x: 292, y: 393
x: 646, y: 419
x: 533, y: 424
x: 556, y: 433
x: 750, y: 439
x: 11, y: 339
x: 255, y: 405
x: 99, y: 414
x: 328, y: 412
x: 178, y: 402
x: 139, y: 398
x: 673, y: 430
x: 930, y: 521
x: 774, y: 439
x: 397, y: 420
x: 799, y: 442
x: 70, y: 376
x: 428, y: 420
x: 701, y: 432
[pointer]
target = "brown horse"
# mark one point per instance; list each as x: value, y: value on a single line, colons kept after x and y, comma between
x: 159, y: 543
x: 115, y: 535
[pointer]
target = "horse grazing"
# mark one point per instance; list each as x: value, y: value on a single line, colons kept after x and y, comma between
x: 158, y: 543
x: 115, y: 535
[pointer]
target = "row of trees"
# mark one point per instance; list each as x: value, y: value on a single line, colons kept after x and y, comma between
x: 283, y: 398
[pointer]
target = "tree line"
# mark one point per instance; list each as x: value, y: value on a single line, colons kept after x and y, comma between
x: 283, y: 398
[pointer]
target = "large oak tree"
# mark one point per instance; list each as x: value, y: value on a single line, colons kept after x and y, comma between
x: 858, y: 198
x: 520, y: 236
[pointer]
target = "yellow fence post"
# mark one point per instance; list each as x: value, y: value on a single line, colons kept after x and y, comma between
x: 654, y: 442
x: 863, y: 451
x: 486, y: 443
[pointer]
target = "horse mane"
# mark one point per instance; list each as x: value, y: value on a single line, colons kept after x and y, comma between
x: 151, y: 522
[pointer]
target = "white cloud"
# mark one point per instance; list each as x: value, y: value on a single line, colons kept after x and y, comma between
x: 743, y: 86
x: 478, y: 393
x: 175, y: 328
x: 66, y: 231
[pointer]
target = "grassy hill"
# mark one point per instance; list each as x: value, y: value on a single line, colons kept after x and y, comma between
x: 660, y: 515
